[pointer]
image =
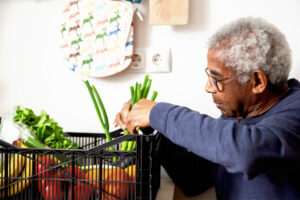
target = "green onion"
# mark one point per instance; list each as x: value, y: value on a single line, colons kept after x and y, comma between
x: 99, y: 100
x: 135, y: 93
x: 147, y: 89
x: 145, y: 84
x: 130, y: 145
x: 138, y: 92
x: 154, y: 95
x: 32, y: 143
x: 105, y: 125
x: 125, y: 143
x: 132, y: 95
x: 95, y: 103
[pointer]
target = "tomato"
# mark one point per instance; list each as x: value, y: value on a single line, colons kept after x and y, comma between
x: 42, y: 166
x: 43, y: 170
x: 78, y: 173
x: 53, y: 189
x: 82, y: 191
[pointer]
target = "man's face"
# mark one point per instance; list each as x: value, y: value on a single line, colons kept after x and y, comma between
x: 230, y: 96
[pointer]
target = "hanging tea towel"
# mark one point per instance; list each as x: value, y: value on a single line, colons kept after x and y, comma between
x: 97, y: 36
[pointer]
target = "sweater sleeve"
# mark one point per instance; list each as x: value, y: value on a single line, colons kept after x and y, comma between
x: 241, y: 148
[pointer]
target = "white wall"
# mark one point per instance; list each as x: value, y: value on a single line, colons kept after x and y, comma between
x: 32, y: 72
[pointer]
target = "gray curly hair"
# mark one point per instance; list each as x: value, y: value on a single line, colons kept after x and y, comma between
x: 251, y: 44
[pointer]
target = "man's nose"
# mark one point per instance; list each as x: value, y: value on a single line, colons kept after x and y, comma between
x: 209, y: 88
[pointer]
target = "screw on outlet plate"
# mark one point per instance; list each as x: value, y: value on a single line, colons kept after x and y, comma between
x: 157, y: 59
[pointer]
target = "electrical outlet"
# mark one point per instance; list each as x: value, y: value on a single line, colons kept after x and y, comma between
x: 158, y: 60
x: 138, y: 61
x: 151, y: 60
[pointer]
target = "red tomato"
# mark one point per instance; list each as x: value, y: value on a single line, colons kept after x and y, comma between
x: 82, y: 191
x: 42, y: 166
x: 78, y: 173
x: 53, y: 189
x: 43, y: 170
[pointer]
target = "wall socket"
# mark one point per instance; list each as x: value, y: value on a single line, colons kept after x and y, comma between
x: 151, y: 60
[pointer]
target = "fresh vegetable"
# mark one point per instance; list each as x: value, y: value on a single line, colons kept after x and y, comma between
x: 82, y: 190
x: 131, y: 170
x: 53, y: 183
x: 44, y: 171
x: 44, y: 129
x: 138, y: 92
x: 20, y: 144
x: 78, y: 173
x: 101, y: 112
x: 116, y: 183
x: 53, y: 189
x: 93, y: 176
x: 43, y: 167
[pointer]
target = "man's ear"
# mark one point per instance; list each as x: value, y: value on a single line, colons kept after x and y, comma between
x: 259, y: 81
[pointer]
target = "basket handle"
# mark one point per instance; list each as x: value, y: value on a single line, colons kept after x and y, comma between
x: 6, y: 144
x: 111, y: 143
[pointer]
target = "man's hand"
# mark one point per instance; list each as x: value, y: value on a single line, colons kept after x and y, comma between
x: 138, y: 116
x: 121, y: 118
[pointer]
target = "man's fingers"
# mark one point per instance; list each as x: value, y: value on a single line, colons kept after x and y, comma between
x: 132, y: 129
x: 119, y: 122
x: 131, y: 126
x: 125, y: 110
x: 121, y: 117
x: 117, y: 119
x: 127, y: 106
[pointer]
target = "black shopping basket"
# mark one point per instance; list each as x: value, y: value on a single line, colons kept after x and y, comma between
x: 93, y: 171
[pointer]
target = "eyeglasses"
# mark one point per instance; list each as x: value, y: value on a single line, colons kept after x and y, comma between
x: 218, y: 84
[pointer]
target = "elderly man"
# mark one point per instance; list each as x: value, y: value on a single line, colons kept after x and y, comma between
x: 253, y: 150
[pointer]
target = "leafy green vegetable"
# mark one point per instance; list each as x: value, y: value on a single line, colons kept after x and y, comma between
x: 44, y: 128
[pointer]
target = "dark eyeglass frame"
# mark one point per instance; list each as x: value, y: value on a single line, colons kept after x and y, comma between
x: 218, y: 84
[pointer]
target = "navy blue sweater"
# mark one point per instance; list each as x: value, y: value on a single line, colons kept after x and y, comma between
x: 256, y: 158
